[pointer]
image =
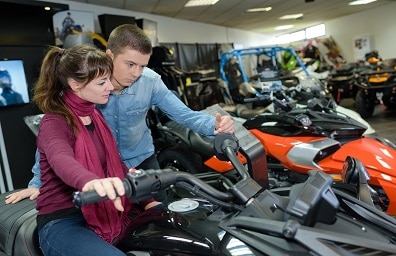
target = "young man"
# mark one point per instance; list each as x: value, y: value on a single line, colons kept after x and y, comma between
x: 136, y: 89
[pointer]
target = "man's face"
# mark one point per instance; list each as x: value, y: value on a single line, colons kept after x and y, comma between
x: 5, y: 82
x: 128, y: 66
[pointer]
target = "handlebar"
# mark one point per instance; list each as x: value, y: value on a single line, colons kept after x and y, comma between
x: 279, y: 100
x: 145, y: 184
x: 244, y: 196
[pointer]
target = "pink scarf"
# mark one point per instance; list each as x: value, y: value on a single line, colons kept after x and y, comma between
x: 103, y: 218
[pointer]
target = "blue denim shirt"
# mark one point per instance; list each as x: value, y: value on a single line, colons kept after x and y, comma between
x: 126, y: 115
x: 35, y: 182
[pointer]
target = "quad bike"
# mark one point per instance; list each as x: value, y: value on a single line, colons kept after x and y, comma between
x: 376, y: 85
x: 247, y: 218
x: 341, y: 82
x: 237, y: 85
x: 69, y: 30
x: 295, y: 140
x: 309, y: 218
x: 299, y: 139
x: 233, y: 67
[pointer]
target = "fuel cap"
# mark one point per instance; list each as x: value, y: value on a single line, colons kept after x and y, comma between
x: 183, y: 205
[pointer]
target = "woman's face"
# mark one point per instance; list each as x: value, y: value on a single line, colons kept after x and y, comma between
x: 97, y: 91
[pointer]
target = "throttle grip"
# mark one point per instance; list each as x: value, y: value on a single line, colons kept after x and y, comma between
x: 89, y: 197
x: 82, y: 198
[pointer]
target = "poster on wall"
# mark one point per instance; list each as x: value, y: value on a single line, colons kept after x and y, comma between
x: 361, y: 46
x: 330, y: 51
x: 72, y: 22
x: 150, y: 29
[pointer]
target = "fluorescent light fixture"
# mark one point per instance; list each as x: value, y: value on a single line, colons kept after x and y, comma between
x: 260, y: 9
x: 358, y: 2
x: 192, y: 3
x: 284, y: 27
x: 291, y: 16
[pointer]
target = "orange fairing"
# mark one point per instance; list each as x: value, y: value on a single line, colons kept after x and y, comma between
x: 377, y: 158
x: 223, y: 166
x: 279, y: 147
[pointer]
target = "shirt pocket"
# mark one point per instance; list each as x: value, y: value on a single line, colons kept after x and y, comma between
x: 136, y: 115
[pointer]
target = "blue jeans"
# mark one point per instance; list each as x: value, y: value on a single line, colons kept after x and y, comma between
x: 70, y: 236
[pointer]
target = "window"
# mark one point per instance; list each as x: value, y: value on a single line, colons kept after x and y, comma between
x: 315, y: 31
x: 308, y: 33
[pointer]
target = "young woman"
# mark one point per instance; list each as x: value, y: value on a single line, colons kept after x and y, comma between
x: 78, y: 152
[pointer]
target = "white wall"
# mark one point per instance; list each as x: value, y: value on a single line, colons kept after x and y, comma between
x: 377, y: 23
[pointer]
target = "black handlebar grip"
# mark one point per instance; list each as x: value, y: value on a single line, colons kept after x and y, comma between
x: 89, y: 197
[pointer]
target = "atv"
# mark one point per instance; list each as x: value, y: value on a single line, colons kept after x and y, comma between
x: 376, y: 85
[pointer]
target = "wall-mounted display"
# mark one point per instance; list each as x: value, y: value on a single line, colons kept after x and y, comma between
x: 13, y: 85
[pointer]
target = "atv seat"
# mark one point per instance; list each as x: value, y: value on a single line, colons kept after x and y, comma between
x: 18, y: 227
x: 202, y: 144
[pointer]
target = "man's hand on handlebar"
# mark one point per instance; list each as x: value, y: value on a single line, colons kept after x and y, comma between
x: 224, y: 124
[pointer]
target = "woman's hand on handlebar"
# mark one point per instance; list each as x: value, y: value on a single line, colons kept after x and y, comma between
x: 111, y: 187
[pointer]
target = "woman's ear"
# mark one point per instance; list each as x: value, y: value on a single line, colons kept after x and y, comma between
x: 74, y: 85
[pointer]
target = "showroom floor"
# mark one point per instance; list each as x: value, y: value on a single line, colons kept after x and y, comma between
x: 383, y: 120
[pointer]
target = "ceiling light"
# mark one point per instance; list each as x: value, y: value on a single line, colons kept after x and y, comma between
x: 261, y: 9
x: 358, y: 2
x: 291, y: 16
x: 200, y: 3
x: 284, y: 27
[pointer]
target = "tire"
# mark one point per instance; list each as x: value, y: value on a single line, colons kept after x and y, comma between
x: 364, y: 106
x: 180, y: 159
x: 388, y: 99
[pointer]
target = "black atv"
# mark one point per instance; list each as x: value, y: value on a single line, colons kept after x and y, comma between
x: 376, y: 85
